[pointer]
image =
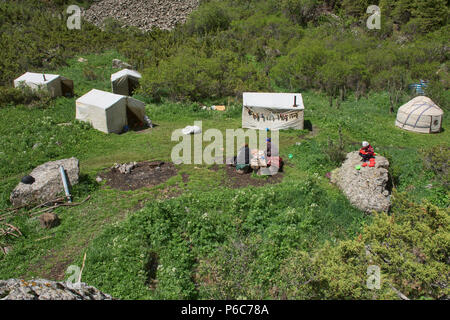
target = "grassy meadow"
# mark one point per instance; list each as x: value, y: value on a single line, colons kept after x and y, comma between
x: 127, y: 233
x: 196, y: 236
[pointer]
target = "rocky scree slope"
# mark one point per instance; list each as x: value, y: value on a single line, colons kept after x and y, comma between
x: 144, y: 14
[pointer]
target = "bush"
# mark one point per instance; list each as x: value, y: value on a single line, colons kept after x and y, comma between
x: 211, y: 17
x: 411, y: 248
x: 192, y: 75
x: 300, y: 11
x: 335, y: 150
x: 24, y: 95
x: 436, y: 159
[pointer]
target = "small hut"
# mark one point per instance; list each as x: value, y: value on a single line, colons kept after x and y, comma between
x: 109, y: 112
x: 55, y: 84
x: 125, y: 81
x: 420, y: 114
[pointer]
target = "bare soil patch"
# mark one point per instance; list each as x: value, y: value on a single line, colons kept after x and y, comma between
x: 235, y: 180
x: 144, y: 174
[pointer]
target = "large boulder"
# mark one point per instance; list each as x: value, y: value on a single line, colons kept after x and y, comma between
x: 366, y: 188
x: 40, y: 289
x: 47, y: 184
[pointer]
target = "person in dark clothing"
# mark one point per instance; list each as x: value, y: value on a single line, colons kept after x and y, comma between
x: 366, y: 152
x: 271, y: 149
x: 243, y: 160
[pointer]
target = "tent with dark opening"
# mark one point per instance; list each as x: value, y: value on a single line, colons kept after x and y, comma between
x: 420, y: 114
x: 109, y: 112
x: 55, y: 84
x: 125, y: 81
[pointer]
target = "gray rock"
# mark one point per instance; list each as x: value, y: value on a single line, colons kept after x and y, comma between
x: 126, y: 167
x: 116, y: 63
x: 49, y: 220
x: 48, y: 183
x: 41, y: 289
x: 37, y: 145
x: 365, y: 188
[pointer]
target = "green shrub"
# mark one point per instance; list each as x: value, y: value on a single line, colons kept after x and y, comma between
x: 191, y: 74
x: 436, y: 159
x: 24, y: 95
x: 411, y: 248
x: 300, y: 11
x: 210, y: 17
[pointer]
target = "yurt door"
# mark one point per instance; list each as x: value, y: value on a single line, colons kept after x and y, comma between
x: 436, y: 123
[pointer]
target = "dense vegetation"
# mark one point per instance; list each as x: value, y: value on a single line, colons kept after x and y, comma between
x: 229, y: 46
x: 297, y: 240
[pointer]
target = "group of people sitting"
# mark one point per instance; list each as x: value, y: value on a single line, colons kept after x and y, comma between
x: 271, y: 156
x: 243, y: 159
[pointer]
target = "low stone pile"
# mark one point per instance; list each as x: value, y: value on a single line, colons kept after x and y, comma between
x: 125, y: 168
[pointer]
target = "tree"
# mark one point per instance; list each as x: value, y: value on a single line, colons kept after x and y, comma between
x: 395, y: 81
x: 333, y: 78
x: 300, y: 11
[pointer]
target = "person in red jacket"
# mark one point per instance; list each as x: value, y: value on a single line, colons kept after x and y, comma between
x: 366, y: 152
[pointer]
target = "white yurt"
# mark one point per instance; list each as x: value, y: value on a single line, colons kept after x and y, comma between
x: 274, y: 111
x: 125, y: 81
x: 55, y: 84
x: 109, y: 112
x: 420, y: 114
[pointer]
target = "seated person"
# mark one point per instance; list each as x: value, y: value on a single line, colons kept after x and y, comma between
x: 272, y: 154
x: 270, y: 148
x: 366, y: 152
x: 243, y: 160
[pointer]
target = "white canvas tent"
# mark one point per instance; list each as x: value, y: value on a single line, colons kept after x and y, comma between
x: 125, y: 81
x: 55, y: 84
x: 420, y: 114
x: 275, y: 111
x: 109, y: 112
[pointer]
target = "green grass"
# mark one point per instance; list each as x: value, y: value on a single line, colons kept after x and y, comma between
x: 302, y: 212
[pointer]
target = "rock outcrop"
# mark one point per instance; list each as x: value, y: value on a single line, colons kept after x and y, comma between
x: 366, y: 188
x: 40, y: 289
x: 119, y: 64
x: 47, y: 184
x: 143, y: 14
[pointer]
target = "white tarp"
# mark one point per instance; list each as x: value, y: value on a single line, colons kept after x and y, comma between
x: 125, y: 81
x: 50, y: 82
x: 274, y: 111
x: 191, y: 130
x: 107, y: 111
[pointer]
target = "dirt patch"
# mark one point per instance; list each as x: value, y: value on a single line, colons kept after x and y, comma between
x: 314, y: 131
x: 57, y: 271
x: 234, y: 180
x: 144, y: 174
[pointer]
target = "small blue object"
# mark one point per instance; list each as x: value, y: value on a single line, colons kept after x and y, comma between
x: 268, y: 140
x: 267, y: 129
x: 419, y: 87
x: 125, y: 128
